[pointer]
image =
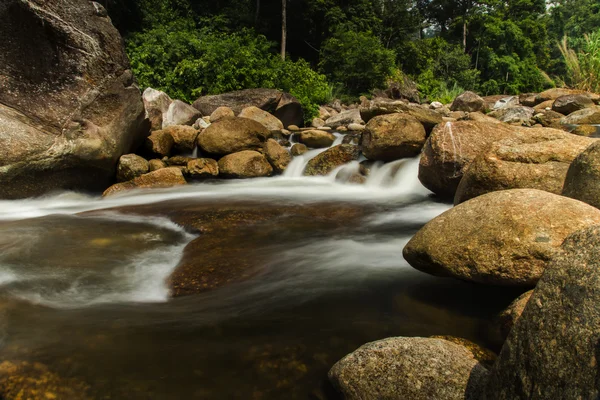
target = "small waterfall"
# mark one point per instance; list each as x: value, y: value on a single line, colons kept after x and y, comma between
x: 299, y: 163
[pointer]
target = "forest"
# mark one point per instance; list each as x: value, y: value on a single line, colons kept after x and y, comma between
x: 347, y: 48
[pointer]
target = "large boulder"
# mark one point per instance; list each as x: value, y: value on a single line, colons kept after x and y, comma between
x: 500, y: 238
x: 344, y: 118
x: 518, y: 115
x: 469, y: 102
x: 184, y: 137
x: 555, y: 93
x: 161, y: 178
x: 316, y: 139
x: 69, y: 107
x: 245, y: 164
x: 587, y: 116
x: 180, y: 113
x: 582, y: 181
x: 452, y: 147
x: 572, y: 102
x: 429, y: 118
x: 277, y: 155
x: 220, y: 113
x: 392, y: 137
x: 159, y: 144
x: 230, y: 135
x: 509, y: 317
x: 131, y: 166
x: 415, y: 368
x: 265, y: 118
x: 536, y: 159
x: 332, y: 158
x: 282, y: 105
x: 552, y: 351
x: 156, y: 104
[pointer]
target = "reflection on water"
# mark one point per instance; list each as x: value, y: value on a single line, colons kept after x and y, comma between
x: 85, y: 294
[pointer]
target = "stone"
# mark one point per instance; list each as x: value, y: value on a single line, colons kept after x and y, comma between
x: 282, y: 105
x: 63, y: 128
x: 159, y: 143
x: 298, y: 149
x: 278, y: 156
x: 506, y: 102
x: 184, y: 138
x: 452, y: 147
x: 570, y: 103
x: 405, y: 88
x: 587, y: 116
x: 536, y: 159
x: 220, y: 113
x: 317, y: 122
x: 352, y: 138
x: 546, y: 105
x: 426, y: 116
x: 409, y: 368
x: 201, y: 123
x: 504, y: 238
x: 178, y: 161
x: 484, y: 356
x: 162, y: 178
x: 519, y: 115
x: 156, y: 103
x: 555, y: 93
x: 231, y: 135
x: 549, y: 119
x: 316, y: 139
x: 528, y: 99
x: 436, y: 105
x: 324, y: 113
x: 582, y: 181
x: 155, y: 164
x: 392, y: 137
x: 180, y: 113
x: 131, y: 166
x: 262, y: 117
x: 245, y: 164
x: 356, y: 127
x: 468, y: 102
x: 586, y: 130
x: 480, y: 117
x: 202, y: 168
x: 332, y: 158
x: 552, y: 351
x: 509, y: 317
x: 344, y: 118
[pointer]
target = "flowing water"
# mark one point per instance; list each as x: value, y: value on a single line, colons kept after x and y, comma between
x: 84, y: 284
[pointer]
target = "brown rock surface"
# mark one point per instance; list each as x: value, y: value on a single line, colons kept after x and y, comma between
x: 278, y: 156
x: 392, y: 137
x: 131, y: 166
x: 469, y: 102
x: 162, y: 178
x: 332, y: 158
x: 202, y: 168
x: 509, y: 317
x: 230, y: 135
x: 184, y: 137
x: 263, y: 117
x: 316, y: 139
x: 245, y: 164
x: 582, y: 181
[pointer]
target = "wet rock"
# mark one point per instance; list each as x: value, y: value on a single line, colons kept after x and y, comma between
x: 583, y: 177
x: 536, y: 159
x: 202, y: 168
x: 278, y: 156
x: 509, y: 317
x: 159, y: 143
x: 352, y: 138
x: 63, y: 128
x: 392, y: 137
x: 469, y: 102
x: 155, y: 164
x: 220, y: 113
x: 131, y: 166
x: 231, y: 135
x: 156, y: 104
x: 316, y: 139
x: 500, y: 238
x: 587, y: 116
x: 519, y: 115
x: 298, y: 149
x: 344, y: 118
x: 262, y: 117
x: 332, y: 158
x: 245, y: 164
x: 184, y: 137
x: 552, y: 351
x: 570, y: 103
x: 452, y: 147
x: 180, y: 113
x: 162, y: 178
x: 409, y: 368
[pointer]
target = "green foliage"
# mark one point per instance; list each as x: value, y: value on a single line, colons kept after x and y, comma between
x: 356, y: 60
x: 583, y: 68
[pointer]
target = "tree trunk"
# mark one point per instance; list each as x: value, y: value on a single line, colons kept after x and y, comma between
x: 283, y: 27
x: 465, y: 35
x: 257, y: 14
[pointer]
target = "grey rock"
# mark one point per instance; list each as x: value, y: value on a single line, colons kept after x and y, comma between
x: 180, y: 113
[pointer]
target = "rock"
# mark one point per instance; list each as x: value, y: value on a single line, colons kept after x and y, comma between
x: 154, y: 165
x: 586, y: 130
x: 429, y: 118
x: 332, y: 158
x: 546, y: 105
x: 244, y: 164
x: 506, y: 102
x: 501, y: 238
x: 262, y: 117
x: 480, y: 117
x: 283, y: 106
x: 352, y: 138
x: 436, y: 105
x: 553, y: 94
x: 184, y: 138
x: 519, y: 115
x: 201, y: 123
x: 180, y: 113
x: 231, y: 135
x: 220, y: 113
x: 131, y: 166
x: 583, y: 177
x: 317, y: 122
x: 509, y: 317
x: 324, y: 113
x: 159, y: 143
x: 405, y: 88
x: 69, y: 107
x: 202, y: 168
x: 484, y: 356
x: 587, y: 116
x: 298, y: 149
x: 469, y: 102
x: 392, y: 137
x: 277, y: 155
x: 552, y: 351
x: 316, y: 139
x: 528, y: 99
x: 356, y: 127
x: 409, y: 368
x: 293, y: 128
x: 344, y: 118
x: 570, y: 103
x: 549, y: 119
x: 450, y: 149
x: 536, y: 159
x: 162, y: 178
x: 178, y: 161
x: 156, y: 103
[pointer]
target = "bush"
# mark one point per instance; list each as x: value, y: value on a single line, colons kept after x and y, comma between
x: 356, y: 60
x: 583, y: 68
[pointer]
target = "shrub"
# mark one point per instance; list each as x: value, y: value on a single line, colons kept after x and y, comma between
x: 583, y: 68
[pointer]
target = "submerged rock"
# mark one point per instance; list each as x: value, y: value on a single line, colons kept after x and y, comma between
x: 230, y: 135
x: 409, y: 368
x: 500, y: 238
x: 332, y: 158
x: 245, y: 164
x: 392, y: 137
x: 161, y: 178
